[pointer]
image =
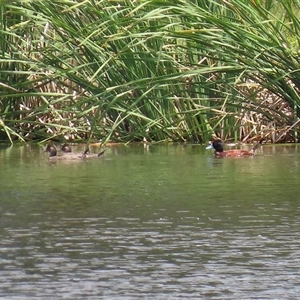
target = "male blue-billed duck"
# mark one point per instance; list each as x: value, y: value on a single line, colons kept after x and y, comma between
x: 219, y: 151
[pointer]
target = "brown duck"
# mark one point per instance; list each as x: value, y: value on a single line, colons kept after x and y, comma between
x: 65, y: 156
x: 68, y: 154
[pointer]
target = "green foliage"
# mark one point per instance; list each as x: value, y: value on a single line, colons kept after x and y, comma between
x: 160, y: 70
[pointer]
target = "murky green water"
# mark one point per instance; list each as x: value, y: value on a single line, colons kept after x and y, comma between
x: 157, y: 222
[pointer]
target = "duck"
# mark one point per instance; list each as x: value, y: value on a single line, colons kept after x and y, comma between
x: 219, y: 151
x: 65, y: 156
x: 68, y: 154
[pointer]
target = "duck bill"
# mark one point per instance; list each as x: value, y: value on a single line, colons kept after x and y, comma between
x: 209, y: 147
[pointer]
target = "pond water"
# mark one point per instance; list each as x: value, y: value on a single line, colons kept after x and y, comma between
x: 150, y: 222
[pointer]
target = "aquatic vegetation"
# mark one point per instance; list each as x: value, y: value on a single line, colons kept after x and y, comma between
x: 149, y: 70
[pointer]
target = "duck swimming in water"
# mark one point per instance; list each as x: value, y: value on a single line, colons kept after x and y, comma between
x: 68, y: 154
x: 219, y: 151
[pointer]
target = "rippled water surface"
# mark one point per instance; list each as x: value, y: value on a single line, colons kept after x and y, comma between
x: 155, y: 222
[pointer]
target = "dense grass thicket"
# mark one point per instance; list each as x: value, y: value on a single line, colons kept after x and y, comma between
x: 156, y: 70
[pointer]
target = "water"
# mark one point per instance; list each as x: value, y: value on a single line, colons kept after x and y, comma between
x: 155, y: 222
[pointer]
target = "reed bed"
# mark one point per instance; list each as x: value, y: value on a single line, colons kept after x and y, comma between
x: 149, y: 70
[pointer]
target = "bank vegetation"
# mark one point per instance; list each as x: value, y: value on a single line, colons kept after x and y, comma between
x: 133, y: 70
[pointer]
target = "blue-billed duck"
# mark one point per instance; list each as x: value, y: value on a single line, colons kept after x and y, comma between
x: 65, y: 156
x: 219, y: 151
x: 68, y: 154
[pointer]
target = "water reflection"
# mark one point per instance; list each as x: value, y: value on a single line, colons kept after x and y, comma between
x: 168, y: 257
x: 168, y: 223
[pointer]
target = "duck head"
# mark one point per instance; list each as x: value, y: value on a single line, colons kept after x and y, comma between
x: 51, y: 149
x: 217, y: 145
x: 66, y: 148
